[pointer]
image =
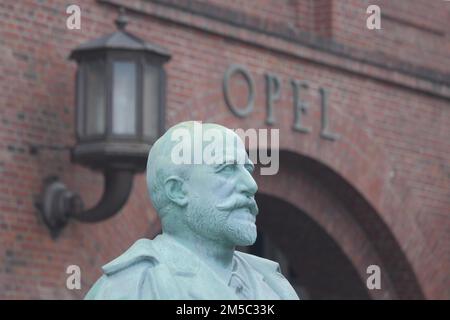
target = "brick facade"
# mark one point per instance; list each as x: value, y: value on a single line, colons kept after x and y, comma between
x: 381, y: 191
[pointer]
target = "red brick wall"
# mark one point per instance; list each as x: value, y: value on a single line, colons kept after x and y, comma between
x: 415, y: 32
x: 394, y: 125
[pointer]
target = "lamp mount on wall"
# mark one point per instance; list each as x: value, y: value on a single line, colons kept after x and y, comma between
x: 120, y: 102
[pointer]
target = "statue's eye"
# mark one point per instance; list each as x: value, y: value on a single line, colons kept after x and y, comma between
x: 227, y: 168
x: 250, y: 168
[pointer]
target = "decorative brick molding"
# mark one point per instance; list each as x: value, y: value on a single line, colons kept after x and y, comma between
x: 284, y: 40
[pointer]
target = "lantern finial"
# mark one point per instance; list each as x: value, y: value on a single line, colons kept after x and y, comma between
x: 122, y: 20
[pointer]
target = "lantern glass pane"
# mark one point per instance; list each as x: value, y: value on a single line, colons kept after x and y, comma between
x: 95, y: 98
x: 151, y: 101
x: 79, y: 101
x: 124, y: 97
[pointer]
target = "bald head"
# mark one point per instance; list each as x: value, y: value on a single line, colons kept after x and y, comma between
x: 186, y: 144
x: 200, y: 181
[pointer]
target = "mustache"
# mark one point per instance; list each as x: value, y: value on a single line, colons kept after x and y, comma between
x: 238, y: 203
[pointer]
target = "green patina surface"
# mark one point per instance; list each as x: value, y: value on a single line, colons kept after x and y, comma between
x: 207, y: 208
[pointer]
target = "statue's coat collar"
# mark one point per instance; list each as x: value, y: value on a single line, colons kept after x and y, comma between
x: 194, y: 277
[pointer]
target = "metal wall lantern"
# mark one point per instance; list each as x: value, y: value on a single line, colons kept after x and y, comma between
x: 120, y: 99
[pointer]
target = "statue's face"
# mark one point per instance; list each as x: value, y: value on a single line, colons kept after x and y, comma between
x: 221, y: 197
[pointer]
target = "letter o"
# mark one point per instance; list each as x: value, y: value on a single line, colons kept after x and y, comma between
x: 239, y: 111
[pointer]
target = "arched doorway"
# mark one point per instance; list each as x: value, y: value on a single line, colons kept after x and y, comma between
x: 328, y: 234
x: 311, y: 260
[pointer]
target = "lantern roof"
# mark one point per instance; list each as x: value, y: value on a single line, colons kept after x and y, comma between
x: 119, y: 40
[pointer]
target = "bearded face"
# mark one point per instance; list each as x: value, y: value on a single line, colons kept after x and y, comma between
x: 221, y: 203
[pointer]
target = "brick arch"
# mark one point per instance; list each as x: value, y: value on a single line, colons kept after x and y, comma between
x: 346, y: 217
x: 356, y: 163
x: 311, y: 237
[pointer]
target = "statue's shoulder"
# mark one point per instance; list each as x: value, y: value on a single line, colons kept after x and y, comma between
x: 128, y: 276
x: 142, y: 252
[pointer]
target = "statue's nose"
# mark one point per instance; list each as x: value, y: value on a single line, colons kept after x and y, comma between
x: 247, y: 184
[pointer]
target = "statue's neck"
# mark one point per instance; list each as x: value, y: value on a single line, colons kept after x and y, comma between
x: 218, y: 256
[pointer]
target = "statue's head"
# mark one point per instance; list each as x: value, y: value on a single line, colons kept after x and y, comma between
x: 200, y: 181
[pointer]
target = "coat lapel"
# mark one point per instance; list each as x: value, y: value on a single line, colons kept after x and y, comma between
x: 194, y: 278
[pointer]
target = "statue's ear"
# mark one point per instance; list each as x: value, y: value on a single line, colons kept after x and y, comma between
x: 175, y: 190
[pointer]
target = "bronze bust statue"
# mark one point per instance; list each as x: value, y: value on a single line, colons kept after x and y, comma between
x: 207, y: 208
